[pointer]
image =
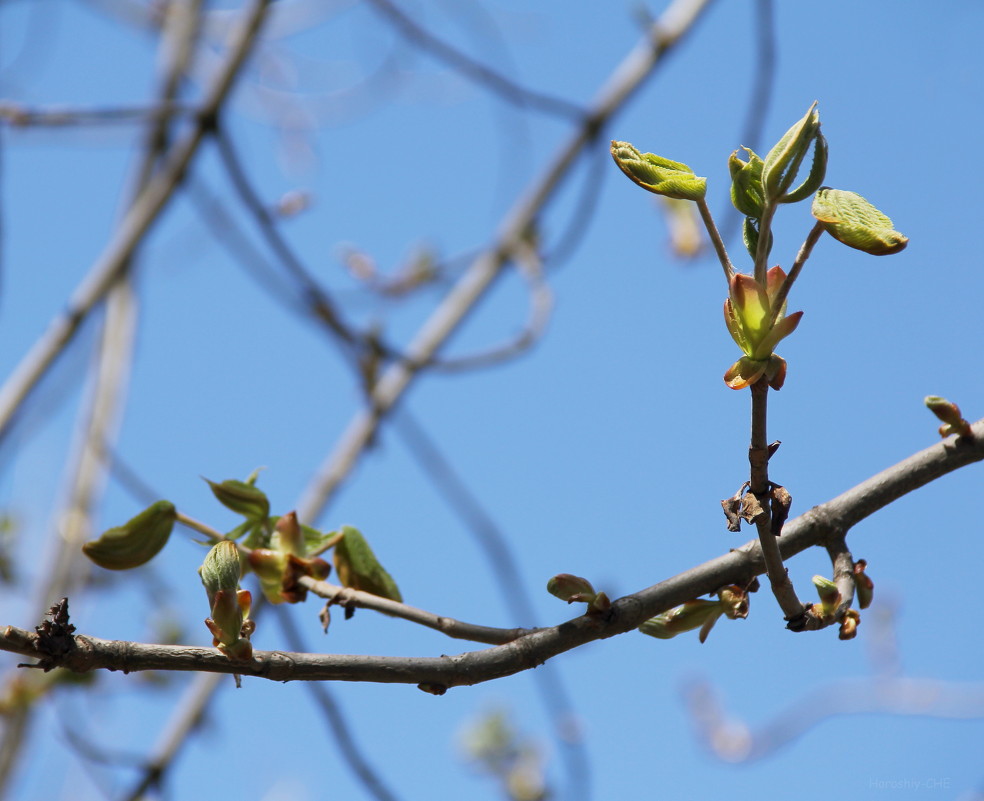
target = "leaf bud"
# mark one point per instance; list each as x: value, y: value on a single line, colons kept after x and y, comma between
x: 571, y: 588
x: 849, y: 625
x: 864, y: 587
x: 949, y: 414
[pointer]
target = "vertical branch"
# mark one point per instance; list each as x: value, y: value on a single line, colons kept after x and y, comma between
x: 758, y: 458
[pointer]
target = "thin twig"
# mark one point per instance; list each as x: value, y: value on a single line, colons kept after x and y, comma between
x: 804, y: 253
x: 716, y: 240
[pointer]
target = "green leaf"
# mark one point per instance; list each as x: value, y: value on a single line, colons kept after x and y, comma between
x: 242, y: 498
x: 746, y: 183
x: 818, y: 171
x: 783, y: 162
x: 137, y: 541
x: 851, y: 219
x: 657, y: 174
x: 358, y: 567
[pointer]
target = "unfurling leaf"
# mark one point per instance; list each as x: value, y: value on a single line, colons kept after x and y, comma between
x: 783, y: 162
x: 137, y: 541
x: 358, y: 567
x: 657, y: 174
x: 851, y: 219
x: 746, y: 184
x: 732, y: 603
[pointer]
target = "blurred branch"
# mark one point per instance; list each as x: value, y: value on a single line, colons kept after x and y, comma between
x: 675, y: 22
x: 68, y: 569
x: 323, y: 308
x: 763, y: 24
x: 437, y: 674
x: 17, y: 115
x: 484, y: 76
x: 734, y: 741
x: 337, y: 723
x: 505, y: 568
x: 134, y: 226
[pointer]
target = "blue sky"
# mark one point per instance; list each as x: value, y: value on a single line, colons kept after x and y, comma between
x: 602, y: 452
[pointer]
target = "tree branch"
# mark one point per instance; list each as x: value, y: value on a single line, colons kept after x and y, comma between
x: 437, y: 674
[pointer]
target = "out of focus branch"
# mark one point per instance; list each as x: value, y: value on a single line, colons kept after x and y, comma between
x: 486, y: 77
x: 734, y: 741
x: 675, y: 22
x: 18, y: 115
x: 134, y: 226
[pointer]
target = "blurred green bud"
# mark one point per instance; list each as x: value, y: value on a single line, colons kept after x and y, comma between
x: 851, y: 219
x: 864, y: 587
x: 782, y: 164
x: 830, y: 596
x: 242, y: 498
x: 949, y: 414
x: 657, y: 174
x: 137, y: 541
x: 746, y: 184
x: 358, y: 567
x: 571, y: 588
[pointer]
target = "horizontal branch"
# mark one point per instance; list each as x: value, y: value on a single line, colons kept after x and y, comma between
x: 436, y: 674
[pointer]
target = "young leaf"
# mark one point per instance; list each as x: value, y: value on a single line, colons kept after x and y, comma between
x: 657, y: 174
x: 242, y: 498
x: 783, y: 162
x: 746, y: 183
x: 137, y: 541
x: 359, y: 569
x: 851, y: 219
